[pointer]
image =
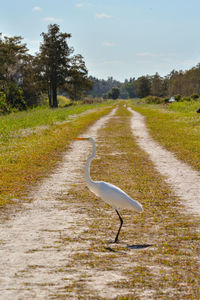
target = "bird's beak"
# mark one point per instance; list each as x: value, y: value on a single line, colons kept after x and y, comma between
x: 81, y: 139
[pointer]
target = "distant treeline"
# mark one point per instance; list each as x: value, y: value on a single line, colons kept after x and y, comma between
x: 25, y: 78
x: 183, y: 83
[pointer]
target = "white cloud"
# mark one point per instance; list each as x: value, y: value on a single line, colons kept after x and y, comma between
x: 103, y: 16
x: 108, y: 44
x: 37, y: 8
x: 52, y: 20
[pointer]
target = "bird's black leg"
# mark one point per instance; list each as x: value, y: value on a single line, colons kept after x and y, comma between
x: 120, y: 226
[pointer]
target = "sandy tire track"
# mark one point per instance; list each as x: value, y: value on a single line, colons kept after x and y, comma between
x: 31, y: 249
x: 184, y: 180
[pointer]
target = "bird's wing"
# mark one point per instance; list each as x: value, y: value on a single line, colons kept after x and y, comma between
x: 116, y: 197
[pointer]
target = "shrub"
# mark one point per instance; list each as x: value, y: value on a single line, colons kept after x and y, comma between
x: 195, y: 96
x: 166, y: 99
x: 14, y: 96
x: 177, y: 97
x: 63, y: 101
x: 153, y: 99
x: 90, y: 100
x: 3, y: 106
x: 185, y: 99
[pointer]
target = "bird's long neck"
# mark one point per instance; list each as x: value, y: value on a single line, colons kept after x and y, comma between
x: 88, y: 179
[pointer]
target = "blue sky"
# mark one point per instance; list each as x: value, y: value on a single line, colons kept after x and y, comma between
x: 119, y: 38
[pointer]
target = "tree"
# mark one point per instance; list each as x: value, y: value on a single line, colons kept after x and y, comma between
x: 114, y: 93
x: 78, y: 81
x: 32, y: 89
x: 157, y: 85
x: 12, y: 56
x: 123, y: 93
x: 101, y: 87
x: 12, y: 53
x: 54, y: 61
x: 130, y: 87
x: 143, y: 86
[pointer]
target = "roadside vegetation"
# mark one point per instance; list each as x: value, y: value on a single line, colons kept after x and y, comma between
x: 191, y: 102
x: 39, y: 116
x: 26, y: 155
x: 168, y: 268
x: 63, y: 101
x: 186, y: 106
x: 176, y: 126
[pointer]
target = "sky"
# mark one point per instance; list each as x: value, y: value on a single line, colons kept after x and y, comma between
x: 118, y: 38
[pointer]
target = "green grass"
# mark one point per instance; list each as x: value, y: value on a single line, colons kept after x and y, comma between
x: 40, y: 116
x: 176, y: 129
x: 186, y: 106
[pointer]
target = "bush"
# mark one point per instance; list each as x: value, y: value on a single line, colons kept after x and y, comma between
x: 195, y: 96
x: 63, y: 101
x: 177, y: 98
x: 166, y: 99
x: 3, y: 106
x: 90, y: 100
x: 185, y: 99
x: 14, y: 97
x: 153, y: 99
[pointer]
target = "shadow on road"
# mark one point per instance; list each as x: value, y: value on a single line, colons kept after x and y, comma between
x: 133, y: 247
x: 138, y: 246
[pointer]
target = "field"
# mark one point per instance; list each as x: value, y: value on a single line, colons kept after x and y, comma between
x: 162, y: 262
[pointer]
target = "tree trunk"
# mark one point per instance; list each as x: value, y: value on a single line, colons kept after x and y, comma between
x: 50, y: 96
x: 54, y: 91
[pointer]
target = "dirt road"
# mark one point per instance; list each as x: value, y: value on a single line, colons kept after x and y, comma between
x: 46, y: 248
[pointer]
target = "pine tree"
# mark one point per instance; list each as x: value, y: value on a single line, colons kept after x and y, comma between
x: 54, y: 61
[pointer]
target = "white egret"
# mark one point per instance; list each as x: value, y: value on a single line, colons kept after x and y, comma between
x: 110, y: 193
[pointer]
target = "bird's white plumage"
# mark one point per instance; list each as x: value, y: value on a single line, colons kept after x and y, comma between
x: 110, y: 193
x: 114, y: 196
